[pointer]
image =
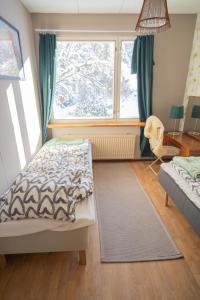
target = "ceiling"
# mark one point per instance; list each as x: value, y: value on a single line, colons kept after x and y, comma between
x: 105, y: 6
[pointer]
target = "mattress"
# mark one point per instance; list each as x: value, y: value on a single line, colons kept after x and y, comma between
x: 85, y: 216
x: 180, y: 192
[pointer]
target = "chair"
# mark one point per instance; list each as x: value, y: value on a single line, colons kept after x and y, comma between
x: 154, y: 131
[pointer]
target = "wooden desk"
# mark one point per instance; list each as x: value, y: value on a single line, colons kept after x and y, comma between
x: 188, y: 145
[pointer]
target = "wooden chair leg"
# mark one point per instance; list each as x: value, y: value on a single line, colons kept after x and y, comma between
x: 2, y: 261
x: 166, y: 199
x: 82, y: 257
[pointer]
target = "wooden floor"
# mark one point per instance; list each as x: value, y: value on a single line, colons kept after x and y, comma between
x: 58, y: 275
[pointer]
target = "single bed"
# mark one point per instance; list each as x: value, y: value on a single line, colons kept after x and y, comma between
x: 50, y: 235
x: 183, y: 193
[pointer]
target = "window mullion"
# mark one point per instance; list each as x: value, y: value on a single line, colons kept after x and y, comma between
x: 115, y: 82
x: 118, y: 78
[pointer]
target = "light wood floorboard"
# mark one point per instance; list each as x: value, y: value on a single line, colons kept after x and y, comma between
x: 58, y: 276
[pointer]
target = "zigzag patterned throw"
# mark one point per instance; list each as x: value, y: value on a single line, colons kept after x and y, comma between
x: 192, y: 182
x: 54, y: 182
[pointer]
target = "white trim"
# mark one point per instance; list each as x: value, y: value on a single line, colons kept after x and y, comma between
x: 83, y: 31
x: 95, y: 121
x: 115, y: 83
x: 118, y: 78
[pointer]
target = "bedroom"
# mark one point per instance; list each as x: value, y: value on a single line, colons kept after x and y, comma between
x: 133, y: 234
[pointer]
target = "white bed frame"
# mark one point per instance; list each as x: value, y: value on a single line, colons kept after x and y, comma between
x: 46, y: 241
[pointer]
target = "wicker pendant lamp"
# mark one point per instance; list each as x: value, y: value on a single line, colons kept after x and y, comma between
x: 153, y: 18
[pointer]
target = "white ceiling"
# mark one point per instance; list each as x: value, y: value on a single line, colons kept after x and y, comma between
x: 105, y: 6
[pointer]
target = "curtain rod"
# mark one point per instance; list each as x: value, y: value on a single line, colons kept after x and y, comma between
x: 83, y: 31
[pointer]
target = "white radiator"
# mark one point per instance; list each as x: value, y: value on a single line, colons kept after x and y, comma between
x: 110, y: 146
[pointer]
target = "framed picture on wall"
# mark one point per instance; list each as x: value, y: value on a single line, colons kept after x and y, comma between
x: 11, y: 61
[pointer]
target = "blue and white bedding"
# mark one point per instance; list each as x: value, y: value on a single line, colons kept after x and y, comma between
x: 54, y: 182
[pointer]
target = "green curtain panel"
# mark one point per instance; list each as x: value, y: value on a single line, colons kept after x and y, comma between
x: 47, y: 74
x: 142, y: 65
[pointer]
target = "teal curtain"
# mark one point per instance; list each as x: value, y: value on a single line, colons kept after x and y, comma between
x: 47, y: 71
x: 142, y: 65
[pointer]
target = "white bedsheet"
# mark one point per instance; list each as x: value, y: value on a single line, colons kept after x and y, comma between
x: 85, y: 216
x: 181, y: 183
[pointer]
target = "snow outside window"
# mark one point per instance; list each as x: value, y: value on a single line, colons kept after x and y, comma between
x: 94, y: 81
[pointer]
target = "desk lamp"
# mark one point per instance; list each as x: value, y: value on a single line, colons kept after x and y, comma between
x: 176, y: 113
x: 195, y: 115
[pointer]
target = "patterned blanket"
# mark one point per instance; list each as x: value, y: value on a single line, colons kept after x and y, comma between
x: 53, y: 183
x: 191, y: 181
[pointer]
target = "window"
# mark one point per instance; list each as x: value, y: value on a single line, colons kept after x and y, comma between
x: 84, y: 81
x: 94, y: 81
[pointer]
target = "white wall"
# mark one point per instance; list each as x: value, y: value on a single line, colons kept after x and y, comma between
x: 20, y: 129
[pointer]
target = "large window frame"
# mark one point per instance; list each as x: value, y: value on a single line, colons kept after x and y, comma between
x: 117, y: 39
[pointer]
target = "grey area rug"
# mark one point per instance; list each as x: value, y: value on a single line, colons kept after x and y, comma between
x: 130, y: 228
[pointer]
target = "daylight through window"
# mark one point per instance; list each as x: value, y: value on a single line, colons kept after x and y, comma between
x: 93, y: 81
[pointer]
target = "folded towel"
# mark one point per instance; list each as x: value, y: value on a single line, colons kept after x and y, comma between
x: 60, y: 141
x: 191, y: 164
